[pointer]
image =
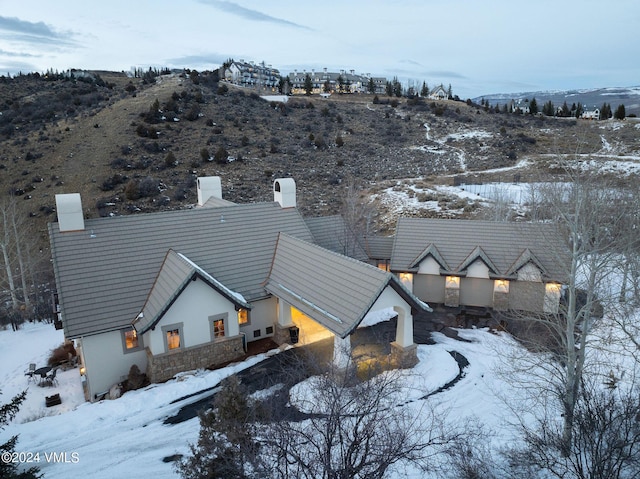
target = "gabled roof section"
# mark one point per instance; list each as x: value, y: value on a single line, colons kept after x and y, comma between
x: 104, y: 274
x: 478, y: 253
x: 499, y: 244
x: 176, y: 273
x: 379, y: 247
x: 334, y: 234
x: 526, y: 257
x: 332, y: 289
x: 214, y: 202
x: 431, y: 250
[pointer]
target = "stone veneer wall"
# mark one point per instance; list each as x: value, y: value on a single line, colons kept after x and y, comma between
x: 500, y: 300
x: 452, y: 297
x: 164, y: 366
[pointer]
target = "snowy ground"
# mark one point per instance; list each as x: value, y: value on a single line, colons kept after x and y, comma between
x: 127, y: 438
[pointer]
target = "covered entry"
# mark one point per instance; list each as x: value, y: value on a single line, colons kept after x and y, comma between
x: 314, y: 285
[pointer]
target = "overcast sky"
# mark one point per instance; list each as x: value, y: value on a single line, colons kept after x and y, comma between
x: 477, y: 46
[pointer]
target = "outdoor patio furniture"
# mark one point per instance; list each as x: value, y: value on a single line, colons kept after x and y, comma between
x: 30, y: 372
x: 50, y: 378
x: 52, y: 400
x: 42, y: 372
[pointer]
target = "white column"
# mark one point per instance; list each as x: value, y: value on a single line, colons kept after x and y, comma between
x: 404, y: 329
x: 284, y: 314
x: 341, y: 351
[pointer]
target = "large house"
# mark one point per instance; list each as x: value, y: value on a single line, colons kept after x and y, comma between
x: 253, y: 75
x: 181, y: 290
x: 188, y: 289
x: 484, y: 264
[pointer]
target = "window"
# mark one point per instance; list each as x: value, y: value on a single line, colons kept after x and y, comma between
x: 383, y: 264
x: 131, y: 341
x: 269, y: 330
x: 218, y: 328
x: 501, y: 286
x: 452, y: 282
x: 218, y: 325
x: 243, y: 316
x: 173, y: 337
x: 256, y: 333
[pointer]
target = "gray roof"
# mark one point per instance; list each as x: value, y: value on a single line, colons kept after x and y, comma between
x: 176, y: 273
x: 214, y: 202
x: 379, y: 247
x: 503, y: 247
x: 334, y: 290
x: 104, y: 274
x: 333, y: 233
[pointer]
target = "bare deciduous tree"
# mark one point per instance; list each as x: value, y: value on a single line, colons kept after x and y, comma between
x: 356, y: 428
x: 593, y: 216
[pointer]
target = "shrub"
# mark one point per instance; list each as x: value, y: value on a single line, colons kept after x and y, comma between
x: 136, y: 379
x: 170, y: 160
x: 113, y: 181
x: 131, y: 190
x: 148, y: 187
x: 339, y: 141
x: 221, y: 155
x: 61, y: 354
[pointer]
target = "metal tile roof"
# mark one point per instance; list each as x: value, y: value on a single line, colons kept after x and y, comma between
x: 379, y: 247
x: 334, y: 290
x: 501, y: 244
x: 175, y: 274
x: 105, y: 273
x: 333, y: 233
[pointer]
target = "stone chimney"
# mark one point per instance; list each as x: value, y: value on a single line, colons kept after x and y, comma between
x: 284, y: 192
x: 70, y: 215
x: 208, y: 187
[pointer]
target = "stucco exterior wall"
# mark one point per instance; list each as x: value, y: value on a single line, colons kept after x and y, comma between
x: 476, y: 292
x: 263, y: 314
x: 429, y: 288
x: 193, y: 308
x: 429, y: 266
x: 478, y: 269
x: 106, y: 363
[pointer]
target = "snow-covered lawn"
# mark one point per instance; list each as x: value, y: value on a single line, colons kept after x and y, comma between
x: 126, y: 437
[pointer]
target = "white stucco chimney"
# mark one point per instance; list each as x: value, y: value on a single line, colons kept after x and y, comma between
x: 69, y: 208
x: 284, y: 192
x: 209, y: 186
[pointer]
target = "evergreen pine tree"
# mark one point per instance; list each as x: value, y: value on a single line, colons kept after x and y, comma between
x: 620, y: 112
x: 9, y: 469
x: 424, y: 92
x: 308, y: 85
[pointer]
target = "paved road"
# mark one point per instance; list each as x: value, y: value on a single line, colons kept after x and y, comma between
x: 294, y: 365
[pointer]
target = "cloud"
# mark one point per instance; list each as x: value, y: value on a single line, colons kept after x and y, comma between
x: 249, y: 14
x: 15, y: 67
x: 212, y: 59
x: 6, y: 53
x: 30, y: 32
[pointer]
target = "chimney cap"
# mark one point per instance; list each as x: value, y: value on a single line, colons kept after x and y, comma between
x: 69, y: 209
